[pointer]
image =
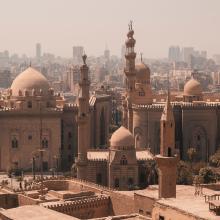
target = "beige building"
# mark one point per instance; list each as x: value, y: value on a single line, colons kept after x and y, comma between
x: 192, y: 113
x: 32, y: 116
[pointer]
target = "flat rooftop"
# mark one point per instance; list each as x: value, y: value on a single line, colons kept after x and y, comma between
x: 185, y: 200
x: 33, y: 212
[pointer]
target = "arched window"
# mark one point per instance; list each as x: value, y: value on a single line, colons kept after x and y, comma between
x: 69, y: 135
x: 123, y: 160
x: 14, y: 142
x: 130, y: 181
x: 116, y: 183
x: 99, y: 178
x: 29, y: 104
x: 141, y: 93
x: 169, y: 152
x: 45, y: 143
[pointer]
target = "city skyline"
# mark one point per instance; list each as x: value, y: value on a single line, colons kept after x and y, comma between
x: 157, y: 25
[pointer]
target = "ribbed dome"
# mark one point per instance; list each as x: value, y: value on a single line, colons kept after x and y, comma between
x: 192, y: 88
x: 28, y: 80
x: 122, y: 137
x: 142, y: 71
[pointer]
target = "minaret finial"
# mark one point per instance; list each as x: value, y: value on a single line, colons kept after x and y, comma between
x: 131, y: 23
x: 141, y: 57
x: 84, y: 57
x: 30, y: 64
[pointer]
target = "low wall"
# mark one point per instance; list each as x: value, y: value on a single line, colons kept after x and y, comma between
x: 25, y: 200
x: 8, y: 201
x: 143, y: 204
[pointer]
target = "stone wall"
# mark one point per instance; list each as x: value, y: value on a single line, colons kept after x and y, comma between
x: 8, y: 201
x: 25, y: 200
x: 143, y: 204
x: 171, y: 213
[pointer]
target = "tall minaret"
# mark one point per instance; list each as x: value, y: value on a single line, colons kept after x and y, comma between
x: 129, y: 70
x: 167, y: 160
x: 83, y: 121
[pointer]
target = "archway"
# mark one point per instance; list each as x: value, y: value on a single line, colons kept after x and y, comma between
x: 199, y: 142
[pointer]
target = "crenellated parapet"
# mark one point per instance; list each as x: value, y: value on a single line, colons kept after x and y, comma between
x: 82, y: 208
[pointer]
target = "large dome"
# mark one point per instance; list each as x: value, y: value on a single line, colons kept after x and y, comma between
x: 122, y: 137
x: 142, y: 71
x: 29, y: 80
x: 192, y: 88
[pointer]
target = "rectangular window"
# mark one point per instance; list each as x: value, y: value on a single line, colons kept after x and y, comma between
x: 161, y: 217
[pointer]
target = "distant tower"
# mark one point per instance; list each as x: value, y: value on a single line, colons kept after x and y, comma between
x: 77, y: 54
x: 167, y: 160
x: 83, y: 121
x: 129, y: 70
x: 107, y: 53
x: 38, y: 51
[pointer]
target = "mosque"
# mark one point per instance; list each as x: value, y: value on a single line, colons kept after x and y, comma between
x: 37, y: 124
x: 148, y: 126
x: 33, y: 119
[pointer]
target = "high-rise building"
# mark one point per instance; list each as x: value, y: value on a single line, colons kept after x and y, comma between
x: 77, y: 54
x: 187, y: 53
x: 38, y: 51
x: 107, y: 54
x: 174, y: 53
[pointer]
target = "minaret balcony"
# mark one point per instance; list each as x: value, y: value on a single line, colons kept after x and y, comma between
x: 130, y: 55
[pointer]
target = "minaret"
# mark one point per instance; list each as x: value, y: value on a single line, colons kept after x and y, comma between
x: 167, y: 160
x: 83, y: 121
x: 129, y: 70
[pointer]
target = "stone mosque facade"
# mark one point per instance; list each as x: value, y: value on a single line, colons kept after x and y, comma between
x: 191, y: 121
x: 197, y: 120
x: 34, y: 118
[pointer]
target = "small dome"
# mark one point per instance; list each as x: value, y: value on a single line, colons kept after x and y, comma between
x: 30, y: 80
x: 192, y: 88
x: 122, y: 137
x: 142, y: 71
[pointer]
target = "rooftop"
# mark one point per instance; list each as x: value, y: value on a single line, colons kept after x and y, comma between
x: 185, y: 201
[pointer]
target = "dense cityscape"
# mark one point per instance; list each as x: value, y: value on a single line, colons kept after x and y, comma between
x: 110, y: 136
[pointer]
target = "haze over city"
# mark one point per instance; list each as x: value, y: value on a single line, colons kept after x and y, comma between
x: 58, y: 25
x: 110, y: 110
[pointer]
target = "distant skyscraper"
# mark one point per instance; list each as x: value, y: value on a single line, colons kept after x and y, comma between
x: 38, y: 51
x: 187, y: 53
x: 107, y: 54
x: 77, y: 54
x: 174, y: 53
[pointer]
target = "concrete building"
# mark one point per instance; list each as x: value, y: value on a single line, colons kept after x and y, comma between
x: 174, y: 53
x: 38, y: 51
x: 77, y: 54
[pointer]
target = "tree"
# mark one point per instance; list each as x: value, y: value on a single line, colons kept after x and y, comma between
x: 207, y: 175
x: 184, y: 174
x: 214, y: 160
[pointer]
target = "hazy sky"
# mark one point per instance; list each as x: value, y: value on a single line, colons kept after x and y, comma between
x: 60, y: 24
